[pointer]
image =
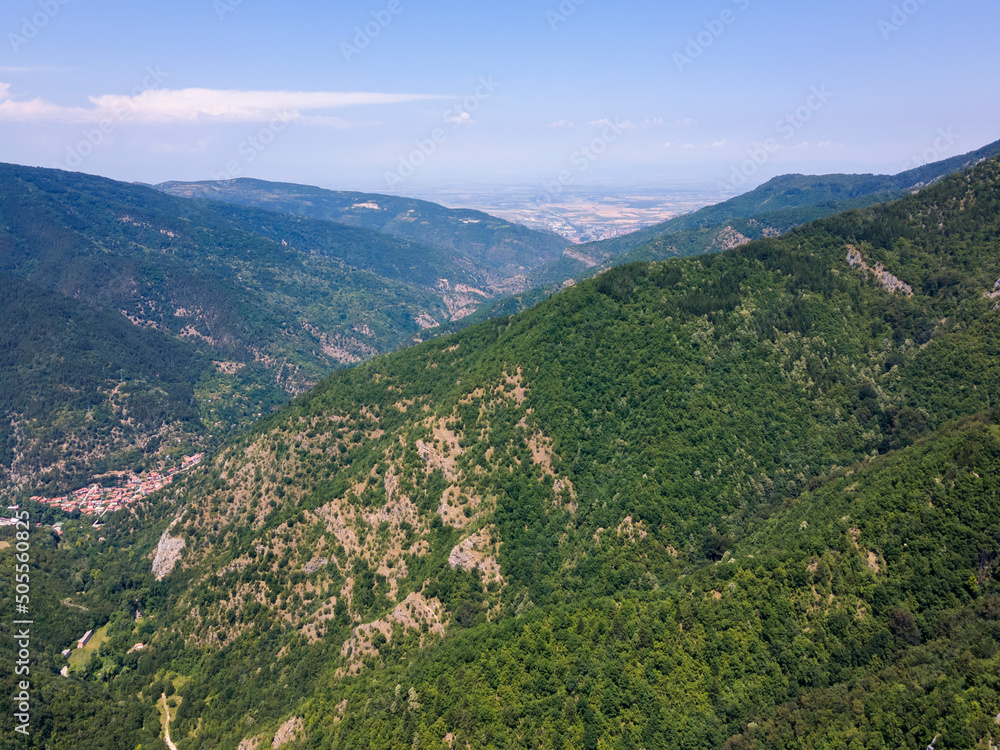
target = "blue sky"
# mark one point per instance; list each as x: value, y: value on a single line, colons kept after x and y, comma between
x: 396, y: 94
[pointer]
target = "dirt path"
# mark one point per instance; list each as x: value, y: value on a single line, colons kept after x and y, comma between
x: 166, y: 723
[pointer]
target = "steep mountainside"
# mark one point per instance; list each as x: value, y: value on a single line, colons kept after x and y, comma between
x: 770, y: 210
x: 250, y: 281
x: 243, y: 303
x: 86, y: 391
x: 746, y: 500
x: 506, y: 253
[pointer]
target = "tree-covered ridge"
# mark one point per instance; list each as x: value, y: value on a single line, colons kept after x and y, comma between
x: 84, y: 391
x: 503, y: 251
x: 746, y: 499
x: 879, y: 582
x: 112, y: 243
x: 83, y: 201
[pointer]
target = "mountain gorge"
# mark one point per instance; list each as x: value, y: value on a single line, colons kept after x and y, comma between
x: 744, y: 500
x: 252, y: 305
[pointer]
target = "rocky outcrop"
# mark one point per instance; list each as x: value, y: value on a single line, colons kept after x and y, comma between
x: 461, y: 299
x: 413, y: 613
x: 477, y: 551
x: 993, y: 294
x: 580, y: 257
x: 315, y: 564
x: 729, y: 238
x: 288, y: 732
x: 168, y: 552
x: 886, y: 279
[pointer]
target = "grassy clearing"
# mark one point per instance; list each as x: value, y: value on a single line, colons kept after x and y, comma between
x: 80, y: 656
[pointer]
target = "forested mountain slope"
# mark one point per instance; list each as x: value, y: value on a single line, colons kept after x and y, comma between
x: 745, y: 500
x: 86, y: 391
x: 505, y: 252
x: 245, y: 304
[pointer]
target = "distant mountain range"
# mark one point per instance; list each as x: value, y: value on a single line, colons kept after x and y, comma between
x: 772, y: 209
x: 502, y: 254
x: 777, y: 207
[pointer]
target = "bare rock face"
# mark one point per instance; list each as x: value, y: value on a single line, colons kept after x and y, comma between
x: 467, y: 554
x: 886, y: 279
x: 315, y: 564
x: 252, y: 743
x: 288, y: 732
x: 168, y: 552
x: 478, y: 551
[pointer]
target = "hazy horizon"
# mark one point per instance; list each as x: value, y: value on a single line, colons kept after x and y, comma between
x: 399, y: 98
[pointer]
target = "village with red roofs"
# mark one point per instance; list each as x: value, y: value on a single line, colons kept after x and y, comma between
x: 97, y: 500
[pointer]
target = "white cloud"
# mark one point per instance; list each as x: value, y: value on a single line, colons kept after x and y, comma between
x: 719, y: 144
x: 157, y: 106
x: 561, y: 124
x: 38, y: 109
x: 463, y: 118
x: 620, y: 124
